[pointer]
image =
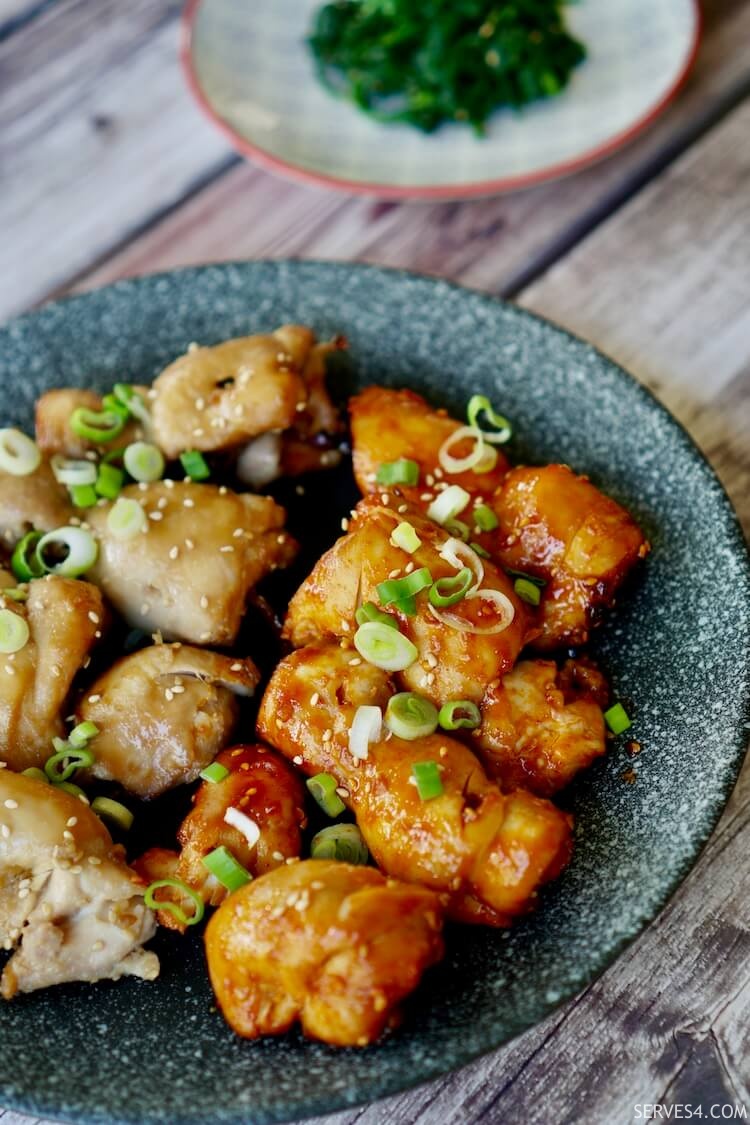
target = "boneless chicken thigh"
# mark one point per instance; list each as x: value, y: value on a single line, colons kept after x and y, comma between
x: 32, y: 502
x: 69, y: 906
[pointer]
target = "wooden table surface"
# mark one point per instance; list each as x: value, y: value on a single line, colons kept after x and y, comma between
x: 108, y: 170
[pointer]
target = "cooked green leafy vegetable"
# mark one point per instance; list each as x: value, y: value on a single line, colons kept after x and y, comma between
x: 425, y: 62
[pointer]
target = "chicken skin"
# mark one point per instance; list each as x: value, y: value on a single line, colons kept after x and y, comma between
x: 557, y: 526
x: 540, y: 727
x: 388, y: 425
x: 332, y: 945
x: 69, y: 905
x: 163, y: 714
x: 189, y: 576
x: 488, y: 851
x: 54, y: 433
x: 453, y: 663
x: 220, y: 397
x: 34, y: 502
x: 65, y: 619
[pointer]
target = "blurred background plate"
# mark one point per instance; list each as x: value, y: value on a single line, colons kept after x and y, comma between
x: 250, y: 69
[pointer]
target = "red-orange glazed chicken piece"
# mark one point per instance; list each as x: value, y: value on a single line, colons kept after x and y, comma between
x: 453, y: 662
x: 541, y: 726
x: 333, y: 946
x: 489, y: 852
x: 559, y: 527
x: 388, y: 425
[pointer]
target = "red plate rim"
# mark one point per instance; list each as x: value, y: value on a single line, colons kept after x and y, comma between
x: 406, y: 191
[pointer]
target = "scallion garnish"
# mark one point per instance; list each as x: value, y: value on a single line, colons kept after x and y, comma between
x: 322, y: 788
x: 129, y: 397
x: 226, y: 869
x: 449, y: 591
x: 109, y: 481
x: 398, y: 472
x: 429, y: 782
x: 485, y: 518
x: 459, y: 529
x: 194, y: 464
x: 527, y: 591
x: 410, y: 715
x: 70, y: 758
x: 73, y: 473
x: 72, y: 790
x: 450, y: 503
x: 405, y: 537
x: 340, y: 841
x: 114, y: 812
x: 126, y: 518
x: 480, y: 404
x: 214, y: 773
x: 150, y: 899
x: 81, y: 547
x: 24, y: 563
x: 82, y: 734
x: 19, y: 455
x: 367, y: 727
x: 370, y: 612
x: 399, y: 589
x: 617, y: 718
x: 14, y: 631
x: 384, y: 647
x: 83, y: 495
x: 459, y: 713
x: 144, y: 461
x: 36, y: 773
x: 99, y: 427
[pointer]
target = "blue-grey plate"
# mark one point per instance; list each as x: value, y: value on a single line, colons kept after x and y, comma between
x: 675, y: 646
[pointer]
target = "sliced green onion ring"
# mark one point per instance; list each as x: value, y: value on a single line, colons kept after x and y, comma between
x: 405, y: 538
x: 453, y: 464
x: 149, y: 897
x: 448, y: 591
x: 214, y: 773
x: 15, y: 593
x: 81, y: 546
x: 487, y: 461
x: 410, y: 715
x: 73, y: 791
x: 617, y: 719
x: 109, y: 481
x: 384, y: 647
x: 126, y: 518
x: 367, y: 727
x: 407, y: 606
x: 402, y: 471
x: 83, y: 495
x: 144, y: 461
x: 36, y: 773
x: 226, y: 869
x: 398, y: 589
x: 133, y: 401
x: 485, y: 518
x: 450, y: 503
x: 478, y: 549
x: 340, y: 841
x: 19, y: 455
x: 480, y: 404
x: 527, y: 591
x: 74, y: 759
x: 459, y: 529
x: 14, y: 631
x: 23, y: 561
x: 461, y: 555
x: 73, y: 472
x: 82, y: 733
x: 370, y: 612
x: 99, y: 427
x: 501, y: 606
x: 459, y: 713
x: 194, y: 464
x: 114, y: 812
x: 427, y: 777
x: 322, y: 788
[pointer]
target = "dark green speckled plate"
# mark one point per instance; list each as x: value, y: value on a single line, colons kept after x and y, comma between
x: 676, y: 648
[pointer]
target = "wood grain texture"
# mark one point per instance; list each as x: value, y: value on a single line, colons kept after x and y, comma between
x: 491, y: 244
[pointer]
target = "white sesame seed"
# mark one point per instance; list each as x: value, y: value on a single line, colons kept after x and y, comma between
x: 72, y: 822
x: 189, y: 544
x: 298, y: 759
x: 142, y: 486
x: 236, y: 667
x: 345, y: 524
x: 197, y: 432
x: 238, y: 533
x: 94, y: 698
x: 161, y: 503
x: 384, y: 498
x: 93, y: 617
x: 145, y: 608
x: 68, y: 835
x: 281, y: 538
x: 174, y: 552
x: 4, y: 831
x: 315, y: 699
x: 355, y: 660
x: 226, y: 549
x: 156, y: 516
x: 188, y: 503
x: 11, y: 804
x: 204, y: 602
x: 10, y: 670
x: 327, y: 735
x: 205, y: 636
x: 168, y: 695
x: 402, y: 508
x: 200, y: 403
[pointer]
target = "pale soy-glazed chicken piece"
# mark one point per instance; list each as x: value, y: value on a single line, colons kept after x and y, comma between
x: 190, y: 573
x: 163, y: 714
x: 331, y: 945
x: 267, y: 794
x: 214, y: 398
x: 69, y: 905
x: 560, y: 528
x: 488, y: 852
x: 542, y: 725
x: 65, y: 618
x: 54, y: 433
x: 455, y: 661
x: 35, y: 501
x: 390, y: 425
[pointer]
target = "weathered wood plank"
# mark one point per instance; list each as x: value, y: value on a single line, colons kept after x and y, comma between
x: 97, y: 135
x: 492, y: 244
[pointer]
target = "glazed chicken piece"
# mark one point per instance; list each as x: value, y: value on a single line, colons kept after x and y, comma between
x: 163, y: 714
x: 65, y: 619
x: 559, y: 527
x: 489, y: 852
x: 219, y: 397
x: 388, y: 425
x: 53, y: 430
x: 190, y: 575
x: 69, y: 905
x: 541, y: 726
x: 263, y: 788
x: 453, y: 663
x: 35, y: 501
x: 332, y: 945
